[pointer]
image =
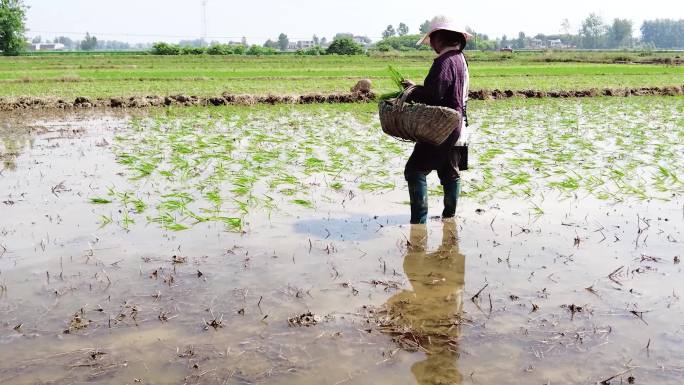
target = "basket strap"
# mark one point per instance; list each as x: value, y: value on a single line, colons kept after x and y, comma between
x: 405, y: 94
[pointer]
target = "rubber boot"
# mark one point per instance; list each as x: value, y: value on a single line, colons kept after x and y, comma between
x: 451, y: 192
x: 419, y: 199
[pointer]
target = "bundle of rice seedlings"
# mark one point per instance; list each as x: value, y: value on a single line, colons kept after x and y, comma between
x: 397, y: 79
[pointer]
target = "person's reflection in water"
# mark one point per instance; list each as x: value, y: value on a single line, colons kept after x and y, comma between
x: 430, y: 314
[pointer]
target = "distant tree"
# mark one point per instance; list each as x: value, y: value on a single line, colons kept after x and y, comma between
x: 389, y: 32
x: 192, y: 43
x: 258, y: 51
x: 620, y: 33
x: 89, y: 43
x: 364, y: 39
x: 383, y: 46
x: 244, y: 41
x: 165, y: 49
x: 521, y: 42
x: 345, y: 46
x: 399, y: 43
x: 504, y: 41
x: 37, y: 40
x: 283, y: 42
x: 12, y: 27
x: 342, y: 35
x: 220, y: 49
x: 193, y: 50
x: 403, y: 29
x: 592, y: 32
x: 324, y: 41
x: 565, y: 26
x: 481, y: 41
x: 313, y: 51
x: 68, y: 43
x: 271, y: 44
x: 425, y: 27
x: 239, y: 49
x: 316, y: 40
x: 113, y: 45
x: 663, y: 33
x: 142, y: 46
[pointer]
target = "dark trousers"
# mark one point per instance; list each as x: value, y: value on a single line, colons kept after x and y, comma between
x: 422, y: 162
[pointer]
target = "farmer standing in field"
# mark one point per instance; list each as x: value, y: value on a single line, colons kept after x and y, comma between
x: 446, y: 85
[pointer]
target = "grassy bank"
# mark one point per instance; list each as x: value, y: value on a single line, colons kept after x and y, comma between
x: 101, y: 75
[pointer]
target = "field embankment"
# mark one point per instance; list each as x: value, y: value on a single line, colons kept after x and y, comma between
x: 226, y: 99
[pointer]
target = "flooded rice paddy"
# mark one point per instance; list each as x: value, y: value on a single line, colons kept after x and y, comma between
x: 271, y: 245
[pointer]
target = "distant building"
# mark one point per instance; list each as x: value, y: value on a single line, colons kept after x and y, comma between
x: 536, y: 43
x: 302, y: 44
x: 361, y: 40
x: 556, y: 43
x: 46, y: 47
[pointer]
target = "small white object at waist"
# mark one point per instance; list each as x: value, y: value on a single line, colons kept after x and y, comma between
x: 464, y: 139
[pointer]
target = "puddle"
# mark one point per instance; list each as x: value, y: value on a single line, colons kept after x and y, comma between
x: 323, y: 281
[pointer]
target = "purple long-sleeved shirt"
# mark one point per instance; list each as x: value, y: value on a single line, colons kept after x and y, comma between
x: 446, y: 85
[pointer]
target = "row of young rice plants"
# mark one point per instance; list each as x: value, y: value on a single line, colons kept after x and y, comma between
x: 219, y: 165
x: 190, y: 169
x: 609, y: 149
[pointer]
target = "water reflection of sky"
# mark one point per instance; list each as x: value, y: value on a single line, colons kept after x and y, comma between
x: 354, y: 227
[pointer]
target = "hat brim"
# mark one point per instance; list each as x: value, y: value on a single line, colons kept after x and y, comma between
x: 426, y: 38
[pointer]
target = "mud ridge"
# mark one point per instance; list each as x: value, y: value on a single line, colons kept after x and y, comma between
x: 29, y: 103
x: 593, y: 92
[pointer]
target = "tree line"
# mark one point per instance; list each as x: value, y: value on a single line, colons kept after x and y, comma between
x: 593, y: 33
x: 341, y: 45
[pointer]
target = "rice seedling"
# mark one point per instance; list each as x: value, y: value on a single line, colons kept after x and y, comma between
x: 105, y: 220
x: 100, y: 201
x: 232, y: 224
x: 226, y: 161
x: 304, y: 203
x: 168, y: 222
x: 126, y: 221
x: 139, y: 206
x: 242, y: 206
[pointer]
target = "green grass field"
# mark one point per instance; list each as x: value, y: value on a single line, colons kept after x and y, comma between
x: 101, y: 75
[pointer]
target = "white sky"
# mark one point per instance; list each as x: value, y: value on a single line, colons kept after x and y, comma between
x: 172, y: 20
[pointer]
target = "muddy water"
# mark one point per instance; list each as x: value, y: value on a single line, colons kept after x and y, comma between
x: 588, y: 290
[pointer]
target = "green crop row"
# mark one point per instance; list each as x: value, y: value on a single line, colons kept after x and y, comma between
x: 134, y: 75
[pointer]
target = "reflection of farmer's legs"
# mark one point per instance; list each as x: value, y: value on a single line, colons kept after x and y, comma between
x: 418, y: 239
x: 449, y: 235
x: 417, y: 185
x: 451, y: 182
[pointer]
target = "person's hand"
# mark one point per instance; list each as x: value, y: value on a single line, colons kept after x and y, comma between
x: 406, y: 83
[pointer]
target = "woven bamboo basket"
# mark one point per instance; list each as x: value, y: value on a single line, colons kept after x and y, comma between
x: 417, y: 122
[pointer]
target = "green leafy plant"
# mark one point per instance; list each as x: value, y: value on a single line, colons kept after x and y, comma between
x: 397, y: 81
x: 100, y: 201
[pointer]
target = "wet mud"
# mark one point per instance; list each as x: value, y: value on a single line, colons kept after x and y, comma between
x: 580, y: 290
